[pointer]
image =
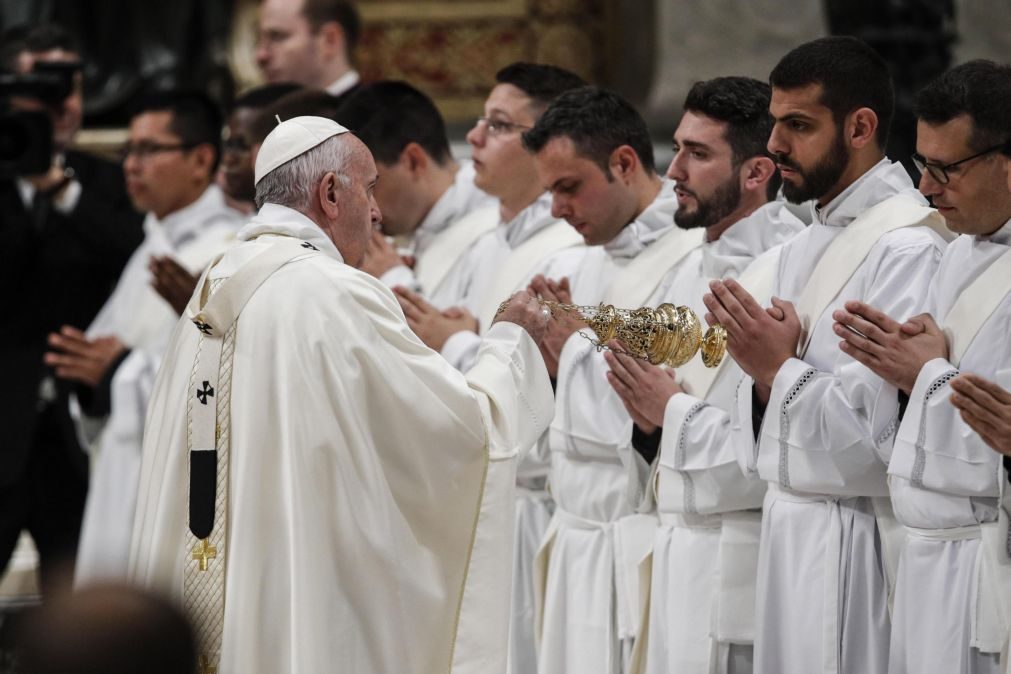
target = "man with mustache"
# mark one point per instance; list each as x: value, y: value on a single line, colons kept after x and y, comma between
x: 704, y: 552
x: 816, y: 424
x: 944, y: 480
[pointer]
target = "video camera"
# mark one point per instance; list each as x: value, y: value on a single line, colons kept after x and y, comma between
x: 26, y: 137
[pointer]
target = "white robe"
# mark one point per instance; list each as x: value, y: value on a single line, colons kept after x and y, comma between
x: 348, y: 536
x: 475, y: 281
x: 451, y: 211
x: 822, y: 587
x: 705, y: 549
x: 587, y: 565
x: 143, y: 321
x: 943, y: 481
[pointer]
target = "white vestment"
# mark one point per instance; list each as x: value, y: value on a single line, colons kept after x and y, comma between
x: 444, y: 239
x: 706, y: 548
x: 504, y: 261
x: 587, y: 577
x: 499, y: 263
x: 943, y: 481
x: 348, y: 536
x: 822, y: 578
x: 143, y: 321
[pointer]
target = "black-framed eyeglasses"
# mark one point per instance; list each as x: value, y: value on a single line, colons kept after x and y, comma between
x: 939, y: 172
x: 497, y: 127
x: 146, y: 149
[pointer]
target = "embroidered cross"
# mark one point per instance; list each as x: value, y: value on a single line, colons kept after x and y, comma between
x: 204, y: 666
x: 202, y: 327
x: 203, y: 552
x: 206, y: 392
x: 306, y: 244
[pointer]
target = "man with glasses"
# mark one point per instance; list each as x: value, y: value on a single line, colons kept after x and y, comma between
x: 169, y: 161
x: 944, y: 479
x: 65, y: 235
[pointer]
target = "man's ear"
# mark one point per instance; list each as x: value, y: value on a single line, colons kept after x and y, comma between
x: 756, y: 172
x: 861, y: 127
x: 623, y: 162
x: 203, y: 156
x: 328, y: 194
x: 331, y: 39
x: 415, y: 159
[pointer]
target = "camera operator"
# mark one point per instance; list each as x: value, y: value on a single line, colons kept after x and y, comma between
x: 66, y: 231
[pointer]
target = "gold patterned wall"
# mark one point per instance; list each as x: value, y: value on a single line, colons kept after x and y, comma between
x: 451, y: 49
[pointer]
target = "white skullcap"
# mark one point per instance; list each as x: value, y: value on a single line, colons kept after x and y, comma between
x: 291, y: 138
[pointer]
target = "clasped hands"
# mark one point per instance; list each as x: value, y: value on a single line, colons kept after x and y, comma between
x: 78, y: 358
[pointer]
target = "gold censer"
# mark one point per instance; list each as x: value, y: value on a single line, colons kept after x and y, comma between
x: 667, y: 334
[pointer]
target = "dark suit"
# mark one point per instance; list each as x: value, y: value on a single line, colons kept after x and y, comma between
x: 55, y: 269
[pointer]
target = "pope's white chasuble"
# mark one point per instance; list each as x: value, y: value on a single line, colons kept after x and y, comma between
x: 343, y: 540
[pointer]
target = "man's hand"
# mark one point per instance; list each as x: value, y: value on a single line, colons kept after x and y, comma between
x: 643, y: 387
x: 986, y: 407
x: 885, y: 346
x: 560, y: 329
x: 172, y: 281
x: 44, y: 182
x: 760, y: 340
x: 428, y: 323
x: 77, y: 358
x: 524, y: 310
x: 380, y: 256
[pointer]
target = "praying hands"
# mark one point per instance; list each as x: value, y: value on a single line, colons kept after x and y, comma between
x: 564, y: 325
x: 759, y: 339
x: 986, y: 408
x: 77, y: 358
x: 893, y: 351
x: 432, y: 326
x: 644, y: 388
x: 172, y: 281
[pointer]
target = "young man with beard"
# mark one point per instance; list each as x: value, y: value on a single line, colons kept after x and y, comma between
x: 828, y: 421
x: 705, y: 551
x: 945, y: 482
x: 594, y: 155
x: 527, y: 240
x: 425, y: 195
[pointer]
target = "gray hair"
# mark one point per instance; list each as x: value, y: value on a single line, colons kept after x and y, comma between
x: 292, y: 184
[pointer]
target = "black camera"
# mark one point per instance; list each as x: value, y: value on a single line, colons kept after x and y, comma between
x: 26, y: 137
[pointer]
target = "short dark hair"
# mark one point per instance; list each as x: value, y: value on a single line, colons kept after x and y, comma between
x: 196, y: 119
x: 387, y: 115
x: 318, y: 12
x: 597, y: 121
x: 980, y: 89
x: 851, y: 73
x: 262, y: 96
x: 33, y: 39
x: 743, y: 104
x: 541, y: 82
x: 315, y: 102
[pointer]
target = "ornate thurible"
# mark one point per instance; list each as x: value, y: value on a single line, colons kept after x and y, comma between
x: 666, y: 334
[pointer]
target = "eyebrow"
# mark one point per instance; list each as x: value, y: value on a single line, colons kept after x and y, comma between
x: 793, y: 115
x: 692, y: 144
x: 553, y: 186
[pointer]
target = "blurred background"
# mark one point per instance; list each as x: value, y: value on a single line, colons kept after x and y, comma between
x: 648, y: 50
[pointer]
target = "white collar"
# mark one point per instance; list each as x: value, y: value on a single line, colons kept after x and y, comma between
x: 1002, y: 236
x: 343, y: 83
x: 767, y: 227
x: 460, y: 198
x: 655, y: 220
x: 283, y: 221
x: 184, y: 224
x: 885, y: 179
x: 528, y: 222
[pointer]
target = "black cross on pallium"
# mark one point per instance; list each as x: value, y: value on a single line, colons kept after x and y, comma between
x: 202, y: 327
x: 206, y: 392
x: 306, y: 244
